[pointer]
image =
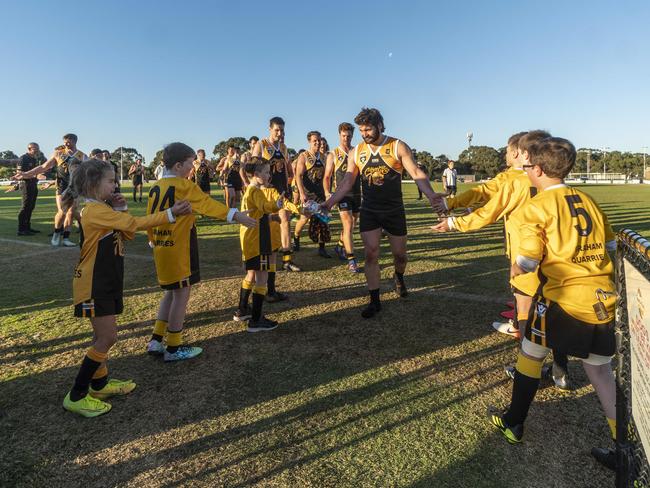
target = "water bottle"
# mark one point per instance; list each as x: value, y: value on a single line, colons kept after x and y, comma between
x: 314, y: 208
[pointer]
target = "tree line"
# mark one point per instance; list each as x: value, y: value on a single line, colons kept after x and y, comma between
x: 482, y: 161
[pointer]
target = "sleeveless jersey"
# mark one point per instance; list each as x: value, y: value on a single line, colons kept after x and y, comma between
x: 66, y: 162
x: 340, y: 168
x: 202, y: 175
x: 381, y: 175
x: 278, y: 159
x: 312, y: 178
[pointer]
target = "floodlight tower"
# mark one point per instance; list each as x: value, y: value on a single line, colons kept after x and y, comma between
x: 645, y: 150
x: 469, y: 136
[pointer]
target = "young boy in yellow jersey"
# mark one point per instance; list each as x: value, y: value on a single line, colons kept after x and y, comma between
x: 175, y: 248
x: 257, y: 246
x: 565, y: 238
x: 98, y: 279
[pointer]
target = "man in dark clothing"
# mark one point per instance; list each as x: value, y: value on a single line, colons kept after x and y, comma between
x: 28, y: 187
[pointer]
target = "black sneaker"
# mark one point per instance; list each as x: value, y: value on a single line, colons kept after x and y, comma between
x: 296, y: 244
x: 24, y: 233
x: 291, y: 266
x: 276, y: 297
x: 322, y: 252
x: 262, y: 325
x: 605, y: 456
x: 512, y: 433
x: 242, y: 315
x: 370, y: 310
x: 400, y: 288
x: 34, y: 231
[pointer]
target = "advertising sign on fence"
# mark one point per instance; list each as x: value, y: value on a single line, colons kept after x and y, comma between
x: 638, y: 310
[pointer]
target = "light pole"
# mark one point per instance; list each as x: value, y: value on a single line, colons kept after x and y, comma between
x: 121, y: 167
x: 645, y: 149
x: 588, y: 162
x: 469, y: 136
x: 605, y: 150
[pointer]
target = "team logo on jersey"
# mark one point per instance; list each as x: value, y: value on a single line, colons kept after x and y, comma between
x: 363, y: 158
x: 376, y: 174
x: 118, y: 244
x: 541, y: 308
x: 388, y: 150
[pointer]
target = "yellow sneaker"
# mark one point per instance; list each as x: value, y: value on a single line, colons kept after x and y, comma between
x: 112, y: 388
x: 87, y: 406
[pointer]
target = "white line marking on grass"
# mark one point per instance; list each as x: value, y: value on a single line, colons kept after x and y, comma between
x: 57, y: 249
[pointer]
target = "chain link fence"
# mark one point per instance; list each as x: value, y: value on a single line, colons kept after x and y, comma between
x: 633, y: 424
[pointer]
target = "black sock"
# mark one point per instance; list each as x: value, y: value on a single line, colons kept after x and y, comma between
x: 134, y: 195
x: 258, y: 301
x: 374, y: 298
x: 244, y: 295
x: 321, y: 245
x: 99, y: 383
x: 270, y: 284
x: 523, y: 394
x: 58, y: 230
x: 400, y: 277
x: 521, y: 325
x: 83, y: 379
x: 155, y: 337
x: 350, y: 257
x: 66, y: 234
x: 561, y: 359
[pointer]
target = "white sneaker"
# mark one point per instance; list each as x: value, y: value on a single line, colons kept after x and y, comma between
x: 155, y: 348
x: 68, y: 243
x: 507, y: 328
x: 56, y: 239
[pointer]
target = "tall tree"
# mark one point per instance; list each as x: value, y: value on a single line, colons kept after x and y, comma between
x: 221, y: 148
x: 483, y: 160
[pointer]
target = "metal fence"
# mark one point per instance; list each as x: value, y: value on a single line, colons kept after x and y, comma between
x: 633, y: 255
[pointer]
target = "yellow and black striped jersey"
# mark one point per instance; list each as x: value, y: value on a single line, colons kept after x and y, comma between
x: 381, y: 175
x: 340, y: 168
x: 175, y: 248
x: 256, y: 241
x: 100, y: 272
x: 479, y: 194
x: 272, y: 195
x: 565, y: 232
x: 66, y: 160
x: 278, y: 158
x: 312, y: 177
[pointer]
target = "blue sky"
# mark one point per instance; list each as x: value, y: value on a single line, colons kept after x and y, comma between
x: 146, y: 73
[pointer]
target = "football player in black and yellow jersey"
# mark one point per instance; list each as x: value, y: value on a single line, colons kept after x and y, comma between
x: 136, y: 172
x: 337, y: 166
x: 202, y: 173
x: 98, y: 279
x: 246, y: 158
x: 273, y: 150
x: 380, y: 160
x: 565, y: 238
x: 258, y: 246
x: 230, y: 167
x: 66, y: 159
x: 310, y: 171
x: 175, y: 247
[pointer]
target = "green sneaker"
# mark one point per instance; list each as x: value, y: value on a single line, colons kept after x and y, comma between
x: 87, y: 406
x: 512, y: 433
x: 112, y: 388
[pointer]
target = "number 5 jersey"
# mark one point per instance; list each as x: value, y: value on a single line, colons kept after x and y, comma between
x: 175, y: 246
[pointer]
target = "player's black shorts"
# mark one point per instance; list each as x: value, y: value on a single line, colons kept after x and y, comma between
x: 393, y: 222
x: 315, y: 197
x: 137, y: 180
x: 234, y: 181
x: 260, y: 262
x: 550, y: 326
x: 61, y: 185
x: 451, y: 190
x: 193, y: 279
x: 205, y: 187
x: 100, y: 307
x: 350, y: 204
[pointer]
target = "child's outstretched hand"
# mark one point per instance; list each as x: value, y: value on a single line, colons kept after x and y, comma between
x: 244, y: 219
x: 182, y: 207
x: 442, y: 226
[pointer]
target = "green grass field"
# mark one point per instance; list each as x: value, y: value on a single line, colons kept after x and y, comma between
x: 327, y: 399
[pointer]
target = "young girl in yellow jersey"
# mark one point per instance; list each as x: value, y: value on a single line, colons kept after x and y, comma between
x: 259, y: 245
x: 98, y: 279
x: 175, y: 248
x: 565, y: 238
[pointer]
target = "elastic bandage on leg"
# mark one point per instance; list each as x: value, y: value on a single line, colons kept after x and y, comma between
x: 96, y: 356
x: 246, y: 285
x: 101, y: 372
x: 174, y: 339
x: 160, y: 327
x: 529, y: 367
